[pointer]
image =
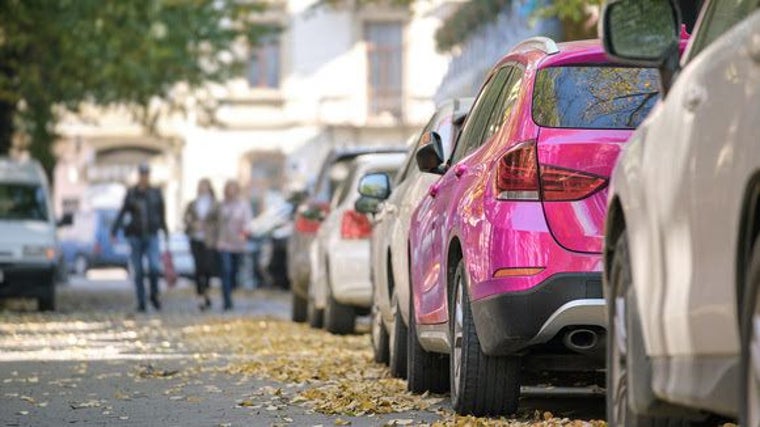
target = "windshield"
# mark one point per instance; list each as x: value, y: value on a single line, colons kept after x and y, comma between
x: 22, y: 202
x: 594, y: 97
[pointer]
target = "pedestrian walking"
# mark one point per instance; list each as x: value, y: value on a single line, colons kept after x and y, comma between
x: 200, y: 231
x: 144, y: 209
x: 232, y: 219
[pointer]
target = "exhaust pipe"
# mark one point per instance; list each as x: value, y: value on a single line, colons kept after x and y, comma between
x: 585, y: 341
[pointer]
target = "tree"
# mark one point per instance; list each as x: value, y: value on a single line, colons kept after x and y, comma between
x: 57, y: 54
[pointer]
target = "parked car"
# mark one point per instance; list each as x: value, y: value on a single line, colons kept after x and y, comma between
x: 270, y: 231
x: 506, y: 248
x: 87, y: 242
x: 340, y: 257
x: 308, y: 217
x: 28, y: 247
x: 389, y: 268
x: 681, y: 248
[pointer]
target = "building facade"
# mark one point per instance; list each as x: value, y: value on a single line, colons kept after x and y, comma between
x: 334, y: 76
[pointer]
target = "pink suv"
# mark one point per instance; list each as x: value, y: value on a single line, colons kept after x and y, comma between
x: 505, y: 253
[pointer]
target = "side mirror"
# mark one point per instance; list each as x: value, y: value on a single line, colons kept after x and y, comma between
x: 375, y: 186
x: 66, y: 220
x: 430, y: 157
x: 641, y: 32
x: 367, y: 205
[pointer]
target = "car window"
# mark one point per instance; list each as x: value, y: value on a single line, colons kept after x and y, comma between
x: 330, y: 180
x: 20, y: 201
x: 410, y: 158
x: 505, y: 105
x: 344, y: 187
x: 594, y: 97
x: 474, y: 126
x: 719, y: 17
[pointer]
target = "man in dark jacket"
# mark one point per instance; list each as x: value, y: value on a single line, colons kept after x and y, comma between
x: 144, y: 207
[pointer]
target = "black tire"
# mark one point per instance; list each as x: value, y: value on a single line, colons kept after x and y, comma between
x: 397, y: 345
x: 314, y: 315
x: 340, y: 319
x: 299, y: 308
x: 481, y: 385
x: 379, y: 337
x: 749, y: 391
x: 426, y: 371
x: 624, y: 318
x: 47, y: 301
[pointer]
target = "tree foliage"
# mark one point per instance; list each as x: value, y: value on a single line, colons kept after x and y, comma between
x: 61, y: 53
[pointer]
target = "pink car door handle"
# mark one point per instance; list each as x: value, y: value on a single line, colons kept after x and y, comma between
x: 460, y: 170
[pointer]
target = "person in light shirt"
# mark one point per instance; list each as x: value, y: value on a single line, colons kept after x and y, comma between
x: 232, y: 217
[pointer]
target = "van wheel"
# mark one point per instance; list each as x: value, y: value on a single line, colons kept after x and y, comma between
x: 624, y: 338
x: 81, y: 265
x: 47, y: 302
x: 298, y: 309
x: 480, y: 384
x: 379, y: 337
x: 426, y: 371
x: 397, y: 344
x: 749, y: 395
x: 340, y: 319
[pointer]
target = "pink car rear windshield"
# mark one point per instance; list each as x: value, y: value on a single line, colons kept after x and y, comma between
x: 594, y: 96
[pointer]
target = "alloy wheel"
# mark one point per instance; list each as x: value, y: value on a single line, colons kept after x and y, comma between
x: 618, y: 368
x: 391, y: 335
x: 458, y: 336
x: 753, y: 377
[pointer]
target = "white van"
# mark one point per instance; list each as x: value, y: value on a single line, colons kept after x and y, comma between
x: 28, y: 245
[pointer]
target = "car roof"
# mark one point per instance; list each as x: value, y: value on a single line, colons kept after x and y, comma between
x: 26, y: 171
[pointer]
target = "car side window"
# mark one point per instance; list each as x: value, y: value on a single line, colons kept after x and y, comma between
x: 476, y: 122
x: 410, y: 158
x: 719, y: 17
x: 505, y: 104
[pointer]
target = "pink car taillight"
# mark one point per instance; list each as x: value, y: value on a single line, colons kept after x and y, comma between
x: 355, y: 225
x: 519, y: 177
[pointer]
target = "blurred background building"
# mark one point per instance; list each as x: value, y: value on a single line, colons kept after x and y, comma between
x: 334, y: 76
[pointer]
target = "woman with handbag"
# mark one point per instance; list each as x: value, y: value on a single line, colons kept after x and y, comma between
x: 233, y: 216
x: 199, y: 226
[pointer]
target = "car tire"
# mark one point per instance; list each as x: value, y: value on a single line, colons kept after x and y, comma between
x: 481, y: 385
x: 397, y: 344
x: 749, y: 368
x: 340, y: 319
x: 623, y: 337
x: 299, y: 308
x: 314, y: 315
x: 426, y: 371
x: 379, y: 337
x: 81, y: 265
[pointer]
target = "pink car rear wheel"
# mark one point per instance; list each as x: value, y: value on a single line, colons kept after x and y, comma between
x: 480, y: 384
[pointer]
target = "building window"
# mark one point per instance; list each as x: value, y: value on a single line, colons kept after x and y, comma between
x: 385, y: 67
x: 264, y: 68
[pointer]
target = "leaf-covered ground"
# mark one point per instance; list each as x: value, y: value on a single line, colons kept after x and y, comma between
x: 97, y: 363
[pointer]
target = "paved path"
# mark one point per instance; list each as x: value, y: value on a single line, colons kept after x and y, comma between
x: 95, y: 362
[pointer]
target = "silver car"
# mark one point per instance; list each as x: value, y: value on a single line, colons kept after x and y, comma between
x: 682, y: 258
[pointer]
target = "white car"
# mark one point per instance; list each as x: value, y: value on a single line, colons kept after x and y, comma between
x: 340, y: 284
x: 390, y: 239
x: 682, y: 257
x: 28, y: 244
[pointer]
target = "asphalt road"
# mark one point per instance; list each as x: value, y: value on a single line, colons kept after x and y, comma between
x: 96, y: 362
